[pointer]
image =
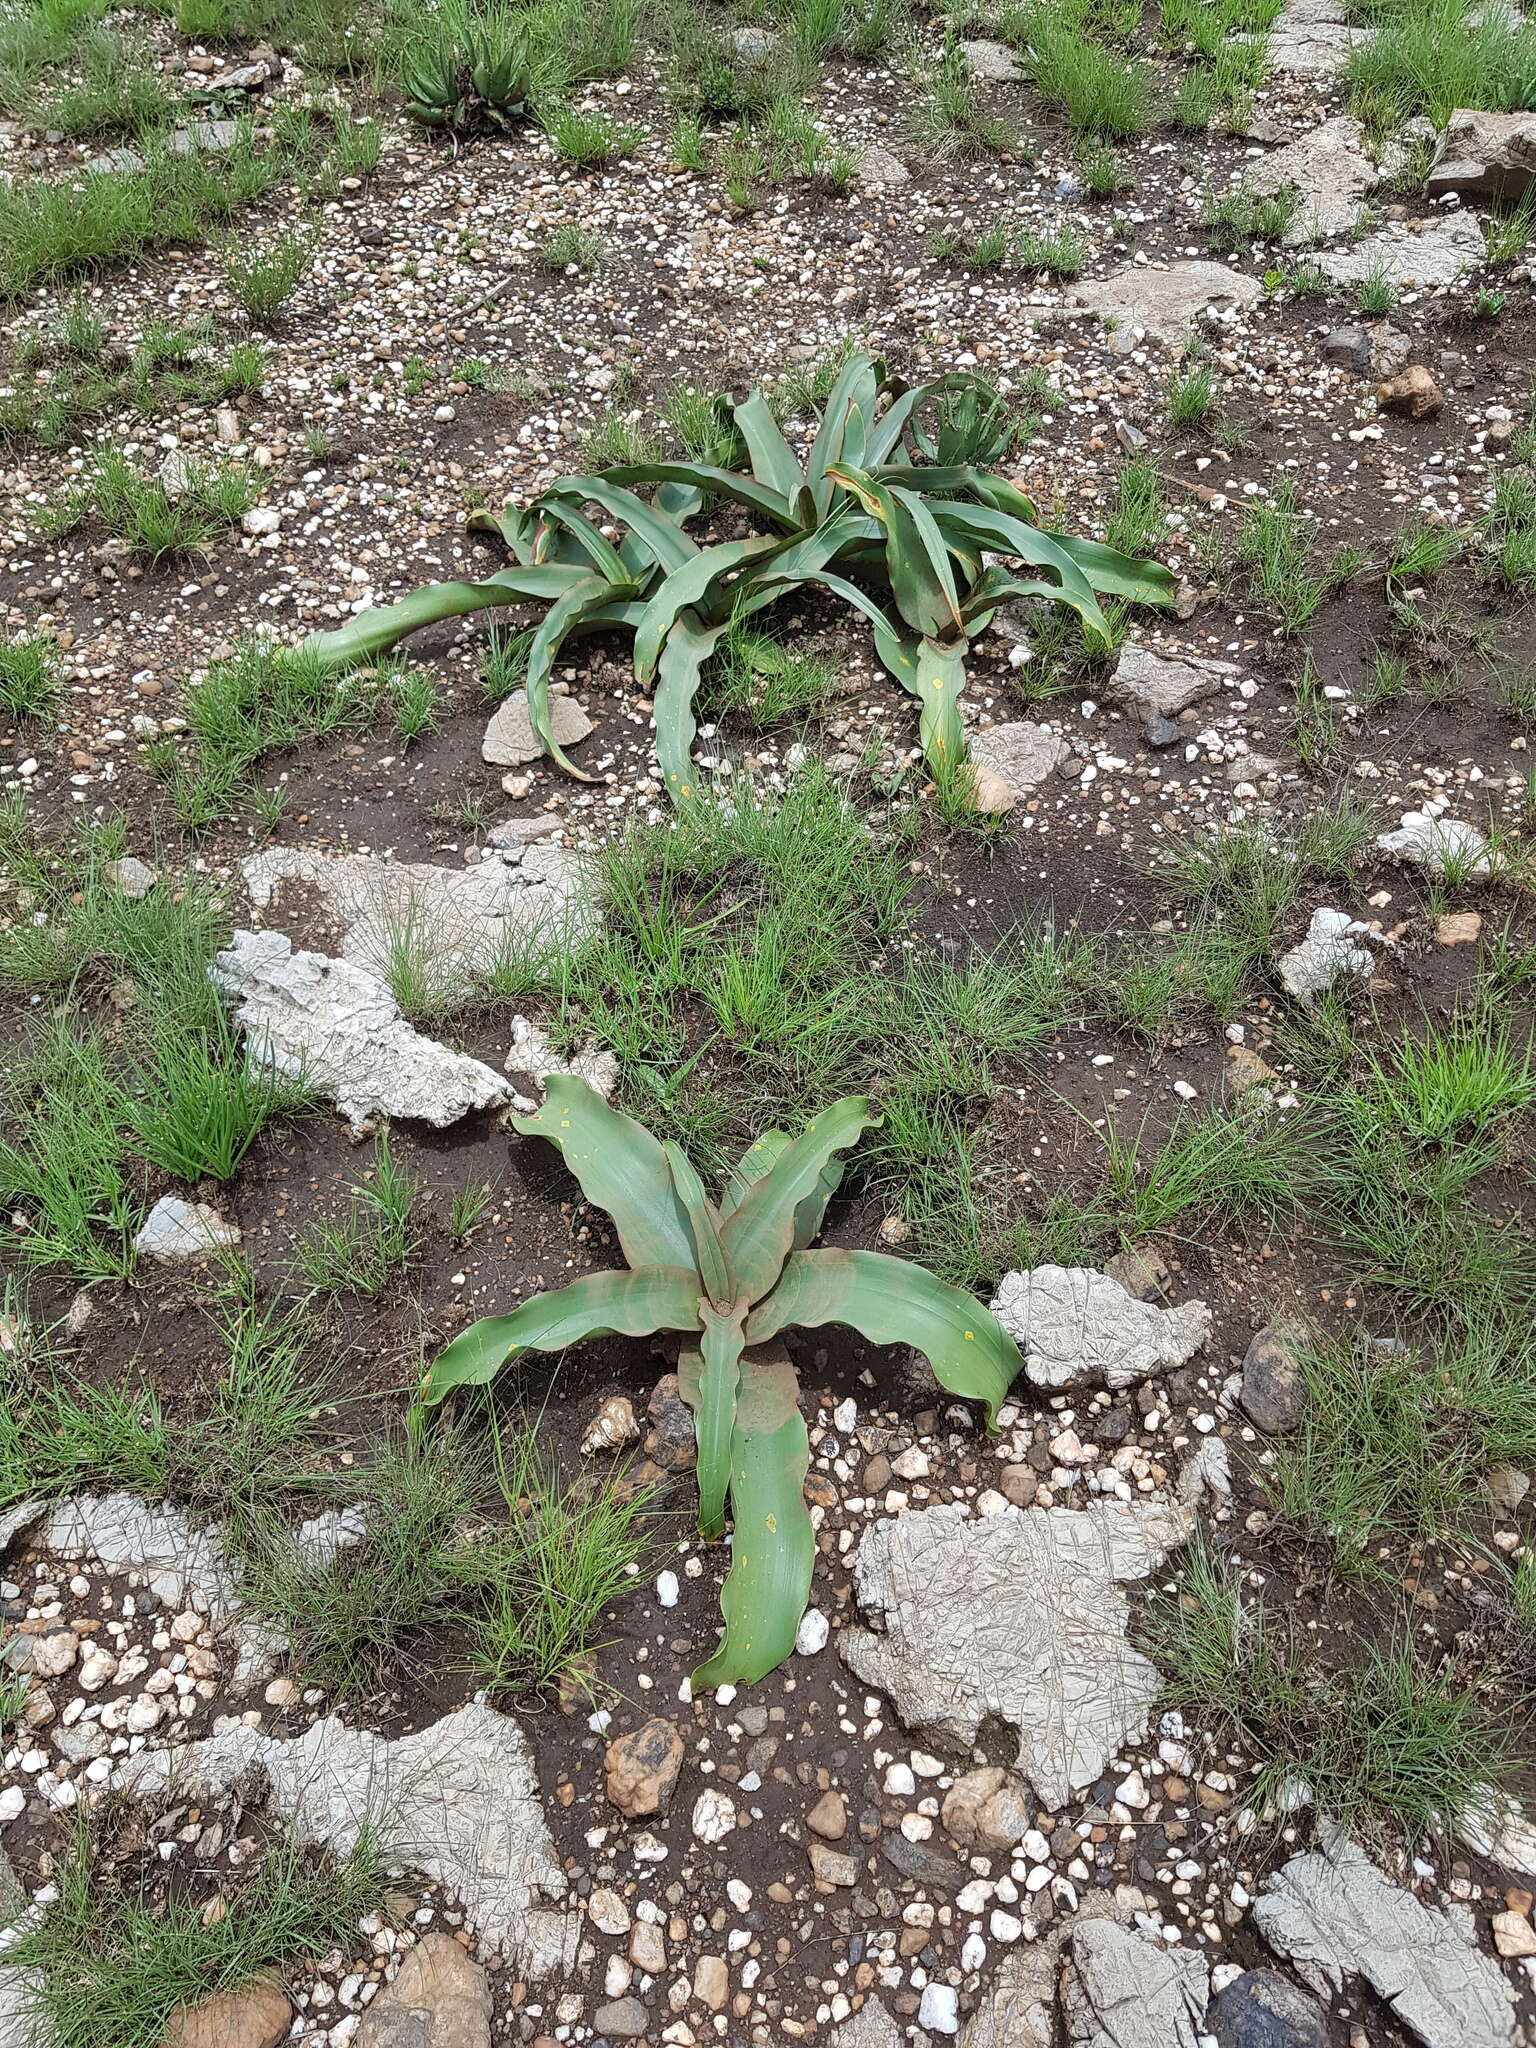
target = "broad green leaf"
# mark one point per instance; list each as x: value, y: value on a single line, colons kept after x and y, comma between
x: 1000, y: 531
x: 891, y: 1301
x: 759, y: 1235
x: 691, y: 587
x: 589, y: 543
x: 773, y: 1543
x: 514, y: 523
x: 940, y: 680
x: 668, y: 543
x: 925, y: 594
x: 704, y: 1224
x: 600, y: 1305
x: 719, y: 483
x: 684, y: 652
x: 899, y: 653
x: 1119, y: 575
x: 773, y: 460
x: 621, y: 1168
x: 714, y: 1411
x: 376, y: 630
x: 591, y: 594
x: 755, y: 1162
x: 858, y: 386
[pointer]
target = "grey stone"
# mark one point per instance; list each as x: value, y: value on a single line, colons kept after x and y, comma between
x: 525, y: 831
x: 338, y: 1028
x: 1334, y: 1915
x: 532, y: 1054
x: 1274, y: 1389
x: 1123, y: 1991
x: 175, y: 1229
x: 1331, y: 948
x: 1496, y: 1826
x: 210, y: 138
x: 321, y: 1540
x: 754, y: 44
x: 1444, y: 251
x: 1141, y: 1270
x: 1350, y: 348
x: 1163, y: 685
x: 624, y: 2019
x: 1425, y: 841
x: 1017, y: 1615
x: 1311, y: 37
x: 922, y: 1863
x: 510, y: 739
x: 1485, y: 156
x: 185, y: 1565
x: 1167, y: 304
x: 439, y: 1998
x: 453, y: 922
x: 987, y: 1810
x: 458, y: 1801
x: 879, y: 167
x: 1016, y: 2007
x: 131, y: 877
x: 1262, y: 2009
x: 1330, y: 174
x: 1079, y: 1328
x: 994, y: 62
x: 1021, y: 754
x: 1160, y: 732
x: 871, y: 2027
x: 21, y: 2005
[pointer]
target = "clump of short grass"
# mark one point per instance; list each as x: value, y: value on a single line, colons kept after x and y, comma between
x: 573, y: 247
x: 113, y: 1961
x: 376, y: 1236
x: 1236, y: 218
x: 1191, y: 395
x: 588, y: 136
x: 1104, y: 93
x: 152, y: 517
x: 29, y: 675
x: 1397, y: 1741
x: 1060, y: 251
x: 1429, y: 57
x: 952, y: 115
x: 262, y: 277
x: 756, y: 674
x: 1509, y: 526
x: 1274, y: 542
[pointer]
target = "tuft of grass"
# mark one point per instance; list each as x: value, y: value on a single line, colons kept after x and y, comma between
x: 989, y: 248
x: 262, y: 277
x: 618, y: 435
x: 1191, y: 395
x: 587, y: 137
x: 573, y: 247
x: 1138, y: 520
x: 1429, y: 57
x: 952, y: 117
x: 1510, y: 526
x: 374, y: 1240
x: 1060, y: 251
x: 1222, y: 1169
x: 1274, y: 542
x: 1104, y: 93
x: 1377, y: 296
x: 151, y: 517
x: 1239, y: 217
x: 29, y: 676
x: 754, y: 673
x: 1396, y: 1742
x: 114, y: 1960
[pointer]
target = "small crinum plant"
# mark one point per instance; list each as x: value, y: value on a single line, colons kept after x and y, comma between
x: 730, y: 1276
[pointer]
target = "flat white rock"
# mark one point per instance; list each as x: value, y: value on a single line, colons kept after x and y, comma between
x: 175, y: 1229
x: 1017, y: 1616
x: 1079, y: 1328
x: 1425, y: 841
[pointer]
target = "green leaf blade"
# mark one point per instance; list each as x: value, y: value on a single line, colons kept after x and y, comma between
x: 600, y: 1305
x: 892, y: 1301
x: 759, y: 1235
x: 714, y: 1412
x: 621, y: 1168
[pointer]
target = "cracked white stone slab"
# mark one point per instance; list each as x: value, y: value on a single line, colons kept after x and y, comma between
x: 453, y: 921
x: 1018, y: 1616
x: 1330, y: 173
x: 458, y: 1801
x: 1334, y: 1915
x: 1167, y: 304
x: 1123, y: 1991
x: 1079, y: 1328
x: 1446, y: 250
x: 337, y: 1027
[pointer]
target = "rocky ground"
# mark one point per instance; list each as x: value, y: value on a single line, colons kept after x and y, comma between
x: 966, y: 1808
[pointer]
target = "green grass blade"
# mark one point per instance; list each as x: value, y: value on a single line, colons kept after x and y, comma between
x: 773, y: 1547
x: 891, y: 1301
x: 759, y: 1236
x: 621, y: 1168
x: 600, y: 1305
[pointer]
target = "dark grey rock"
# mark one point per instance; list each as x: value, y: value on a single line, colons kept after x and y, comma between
x: 922, y: 1864
x: 1262, y: 2009
x: 1158, y: 731
x: 1274, y: 1389
x: 1350, y: 348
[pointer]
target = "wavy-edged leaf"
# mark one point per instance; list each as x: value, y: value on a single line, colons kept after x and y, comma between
x: 755, y: 1162
x: 720, y: 483
x: 598, y: 1305
x: 712, y: 1395
x: 773, y: 1543
x: 759, y: 1235
x: 684, y: 652
x: 703, y: 1223
x: 657, y: 528
x: 984, y: 527
x: 382, y: 626
x: 692, y: 587
x: 589, y: 544
x: 857, y: 388
x: 892, y: 1301
x: 620, y: 1167
x: 772, y: 458
x: 591, y: 594
x: 1118, y: 575
x: 992, y: 588
x: 917, y: 561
